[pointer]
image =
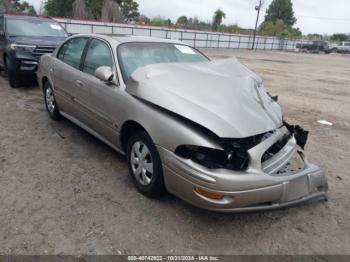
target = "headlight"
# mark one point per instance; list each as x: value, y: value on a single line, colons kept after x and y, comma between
x: 29, y: 48
x: 214, y: 158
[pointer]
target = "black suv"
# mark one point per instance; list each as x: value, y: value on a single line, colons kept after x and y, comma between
x: 23, y: 40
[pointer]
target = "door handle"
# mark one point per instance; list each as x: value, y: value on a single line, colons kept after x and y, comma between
x: 78, y: 83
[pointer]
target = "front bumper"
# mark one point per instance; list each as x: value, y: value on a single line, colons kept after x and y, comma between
x: 258, y: 188
x: 24, y: 63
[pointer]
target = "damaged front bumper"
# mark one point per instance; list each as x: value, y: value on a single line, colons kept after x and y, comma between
x: 283, y: 180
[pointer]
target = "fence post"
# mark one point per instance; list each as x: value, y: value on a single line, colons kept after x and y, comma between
x: 195, y: 38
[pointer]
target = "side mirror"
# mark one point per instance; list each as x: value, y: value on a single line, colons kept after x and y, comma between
x: 104, y: 73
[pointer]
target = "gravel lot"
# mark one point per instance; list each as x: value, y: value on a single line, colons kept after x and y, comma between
x: 64, y: 192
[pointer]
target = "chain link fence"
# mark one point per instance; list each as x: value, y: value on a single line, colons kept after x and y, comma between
x: 198, y: 39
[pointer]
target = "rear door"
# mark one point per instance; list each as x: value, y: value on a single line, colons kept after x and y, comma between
x: 65, y: 74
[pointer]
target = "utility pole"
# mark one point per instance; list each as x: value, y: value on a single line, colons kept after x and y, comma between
x: 257, y: 8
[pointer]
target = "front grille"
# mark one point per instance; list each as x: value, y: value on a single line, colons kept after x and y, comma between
x: 42, y: 50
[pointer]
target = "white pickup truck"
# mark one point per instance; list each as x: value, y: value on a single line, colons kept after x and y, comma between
x: 343, y: 47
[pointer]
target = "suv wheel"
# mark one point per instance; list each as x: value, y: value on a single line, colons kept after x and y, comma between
x: 11, y: 74
x: 145, y: 165
x: 50, y: 102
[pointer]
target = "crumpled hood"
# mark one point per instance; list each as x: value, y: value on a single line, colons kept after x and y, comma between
x: 223, y: 96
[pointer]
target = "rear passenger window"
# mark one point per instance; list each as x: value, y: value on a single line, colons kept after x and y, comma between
x: 99, y: 54
x: 71, y: 52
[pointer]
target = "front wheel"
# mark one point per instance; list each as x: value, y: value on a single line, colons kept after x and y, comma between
x: 50, y: 102
x: 145, y: 165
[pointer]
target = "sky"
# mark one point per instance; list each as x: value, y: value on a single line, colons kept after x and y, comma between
x: 314, y: 16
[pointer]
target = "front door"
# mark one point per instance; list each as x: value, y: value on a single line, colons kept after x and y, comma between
x: 100, y: 98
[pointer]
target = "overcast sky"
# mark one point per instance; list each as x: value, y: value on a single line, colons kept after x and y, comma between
x: 314, y: 16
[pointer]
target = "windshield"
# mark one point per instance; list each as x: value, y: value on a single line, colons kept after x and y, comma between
x: 30, y: 27
x: 133, y: 56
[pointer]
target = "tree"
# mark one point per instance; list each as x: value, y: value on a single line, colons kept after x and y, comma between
x: 79, y: 9
x: 159, y: 21
x: 94, y: 8
x: 24, y: 7
x: 182, y: 20
x: 281, y: 9
x: 59, y: 8
x: 143, y: 20
x: 129, y: 9
x: 111, y: 12
x: 219, y: 15
x: 340, y: 37
x: 17, y: 6
x: 280, y: 29
x: 274, y: 29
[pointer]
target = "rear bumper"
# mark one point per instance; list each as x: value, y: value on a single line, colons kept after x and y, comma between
x: 252, y: 190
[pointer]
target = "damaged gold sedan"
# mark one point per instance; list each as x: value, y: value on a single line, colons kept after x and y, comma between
x: 205, y: 131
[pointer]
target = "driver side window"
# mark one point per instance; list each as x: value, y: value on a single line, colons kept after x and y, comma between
x: 71, y: 51
x: 98, y: 54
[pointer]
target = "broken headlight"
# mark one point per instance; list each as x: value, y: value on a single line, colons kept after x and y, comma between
x: 214, y: 158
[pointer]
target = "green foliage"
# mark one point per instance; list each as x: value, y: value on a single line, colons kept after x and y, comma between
x: 340, y: 37
x: 182, y: 20
x: 17, y: 6
x: 63, y: 8
x: 314, y: 37
x: 219, y: 15
x: 279, y: 29
x: 159, y: 21
x: 25, y: 7
x: 143, y: 20
x: 59, y: 8
x: 129, y: 9
x: 281, y: 10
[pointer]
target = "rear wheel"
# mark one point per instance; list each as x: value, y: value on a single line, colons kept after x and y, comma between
x: 145, y: 165
x: 50, y: 102
x: 11, y: 74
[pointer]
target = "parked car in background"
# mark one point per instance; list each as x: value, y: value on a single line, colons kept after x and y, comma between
x: 23, y: 40
x: 205, y: 131
x: 314, y: 47
x: 343, y: 48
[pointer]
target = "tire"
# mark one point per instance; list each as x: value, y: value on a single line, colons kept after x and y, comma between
x: 144, y: 165
x: 50, y: 102
x: 11, y: 74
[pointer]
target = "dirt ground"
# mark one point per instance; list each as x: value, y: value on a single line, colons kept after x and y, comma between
x: 64, y: 192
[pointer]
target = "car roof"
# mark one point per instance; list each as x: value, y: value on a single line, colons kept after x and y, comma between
x: 120, y: 39
x: 28, y: 17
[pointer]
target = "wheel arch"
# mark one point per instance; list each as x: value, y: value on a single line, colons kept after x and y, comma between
x: 129, y: 128
x: 43, y: 81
